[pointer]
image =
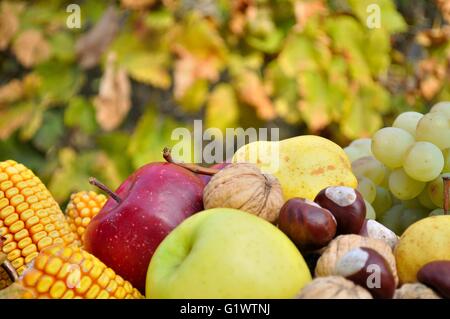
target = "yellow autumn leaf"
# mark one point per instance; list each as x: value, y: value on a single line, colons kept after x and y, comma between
x: 148, y: 68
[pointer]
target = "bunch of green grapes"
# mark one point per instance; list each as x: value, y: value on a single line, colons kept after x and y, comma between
x: 400, y: 170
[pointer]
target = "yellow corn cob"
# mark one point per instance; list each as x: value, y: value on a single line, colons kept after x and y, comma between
x: 82, y: 207
x: 30, y: 219
x: 71, y: 272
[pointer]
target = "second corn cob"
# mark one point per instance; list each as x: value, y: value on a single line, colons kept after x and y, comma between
x: 82, y: 207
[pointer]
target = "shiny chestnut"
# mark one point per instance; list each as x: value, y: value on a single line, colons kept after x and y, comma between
x: 307, y: 224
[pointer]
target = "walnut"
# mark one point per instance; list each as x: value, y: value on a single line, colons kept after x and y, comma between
x: 342, y: 244
x: 415, y: 291
x: 333, y: 287
x: 243, y: 186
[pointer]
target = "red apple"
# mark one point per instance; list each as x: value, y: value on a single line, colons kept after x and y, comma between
x: 139, y: 215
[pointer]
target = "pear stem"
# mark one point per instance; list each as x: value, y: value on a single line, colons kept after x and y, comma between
x: 191, y: 167
x: 106, y: 189
x: 446, y: 194
x: 6, y: 264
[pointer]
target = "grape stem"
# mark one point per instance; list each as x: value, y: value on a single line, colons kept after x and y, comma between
x: 197, y: 169
x: 106, y: 189
x: 446, y: 194
x: 6, y: 264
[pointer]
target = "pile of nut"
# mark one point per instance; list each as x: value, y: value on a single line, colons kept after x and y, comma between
x: 363, y: 267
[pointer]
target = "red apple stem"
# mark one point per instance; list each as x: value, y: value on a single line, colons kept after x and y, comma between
x: 446, y: 194
x: 6, y: 264
x: 191, y: 167
x: 106, y: 189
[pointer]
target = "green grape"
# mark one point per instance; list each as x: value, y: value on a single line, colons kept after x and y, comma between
x: 370, y: 212
x: 436, y: 191
x: 404, y: 187
x: 385, y: 182
x: 353, y: 153
x: 425, y: 200
x: 446, y: 154
x: 389, y: 145
x: 367, y: 188
x: 436, y: 212
x: 382, y: 202
x: 364, y: 145
x: 411, y: 215
x: 434, y: 128
x: 391, y: 219
x: 369, y: 167
x: 441, y: 107
x: 408, y: 121
x: 423, y: 161
x: 411, y: 203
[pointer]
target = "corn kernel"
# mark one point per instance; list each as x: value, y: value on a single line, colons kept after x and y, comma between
x: 17, y: 226
x: 84, y: 285
x: 11, y: 192
x: 120, y: 293
x: 9, y: 247
x: 53, y: 265
x: 44, y: 283
x: 14, y: 254
x: 30, y: 279
x: 21, y: 235
x: 36, y: 228
x: 44, y: 242
x: 31, y: 255
x: 32, y: 199
x: 26, y: 214
x: 6, y: 211
x: 69, y: 294
x: 103, y: 295
x: 11, y: 219
x: 93, y: 292
x: 40, y: 262
x: 103, y: 280
x: 29, y: 250
x: 37, y: 237
x: 58, y: 289
x: 18, y: 262
x: 32, y: 221
x: 24, y: 243
x: 17, y: 200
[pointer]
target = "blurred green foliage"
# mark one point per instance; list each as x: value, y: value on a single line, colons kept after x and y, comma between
x: 103, y: 99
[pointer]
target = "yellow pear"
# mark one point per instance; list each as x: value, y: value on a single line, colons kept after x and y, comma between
x: 304, y: 165
x: 424, y: 241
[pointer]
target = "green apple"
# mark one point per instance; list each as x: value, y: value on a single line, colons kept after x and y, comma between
x: 226, y: 253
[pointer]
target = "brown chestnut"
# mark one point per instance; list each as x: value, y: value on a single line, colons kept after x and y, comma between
x: 367, y: 268
x: 436, y: 275
x: 373, y: 229
x: 347, y: 206
x: 307, y: 224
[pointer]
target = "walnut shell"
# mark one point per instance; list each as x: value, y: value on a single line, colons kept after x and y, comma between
x: 333, y: 287
x: 342, y: 244
x: 243, y: 186
x: 415, y: 291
